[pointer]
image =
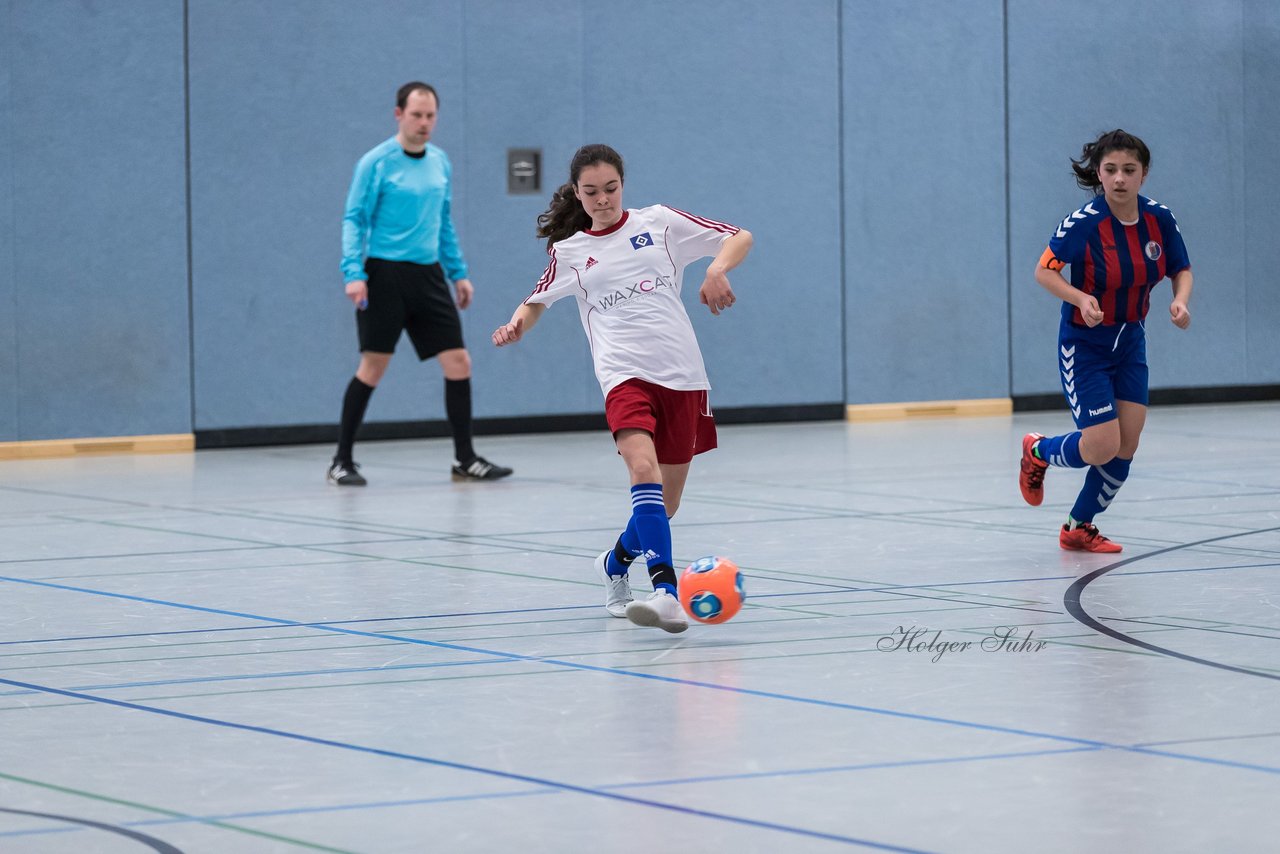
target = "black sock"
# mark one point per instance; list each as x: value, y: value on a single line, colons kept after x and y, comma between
x: 662, y: 573
x: 622, y: 556
x: 457, y: 406
x: 354, y: 403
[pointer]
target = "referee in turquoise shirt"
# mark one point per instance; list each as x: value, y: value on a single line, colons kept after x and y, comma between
x: 399, y: 251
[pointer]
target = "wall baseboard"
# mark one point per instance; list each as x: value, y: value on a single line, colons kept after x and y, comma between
x: 929, y: 409
x: 306, y: 434
x: 44, y: 448
x: 1164, y: 397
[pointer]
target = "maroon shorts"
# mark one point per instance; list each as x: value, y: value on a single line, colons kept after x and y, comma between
x: 680, y: 422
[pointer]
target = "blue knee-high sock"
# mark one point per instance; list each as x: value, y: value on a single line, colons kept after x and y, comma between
x: 625, y: 551
x: 1061, y: 450
x: 649, y: 513
x: 1101, y: 483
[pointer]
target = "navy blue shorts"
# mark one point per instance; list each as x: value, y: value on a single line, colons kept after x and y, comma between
x: 1099, y: 366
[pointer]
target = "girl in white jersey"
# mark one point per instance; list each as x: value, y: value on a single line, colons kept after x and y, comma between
x: 625, y: 267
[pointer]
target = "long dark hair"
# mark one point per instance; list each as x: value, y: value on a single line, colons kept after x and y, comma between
x: 1086, y: 168
x: 565, y: 217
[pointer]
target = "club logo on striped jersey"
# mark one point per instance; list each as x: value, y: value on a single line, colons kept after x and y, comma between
x: 640, y: 241
x: 1153, y: 250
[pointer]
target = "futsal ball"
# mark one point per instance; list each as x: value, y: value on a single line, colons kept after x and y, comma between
x: 711, y: 589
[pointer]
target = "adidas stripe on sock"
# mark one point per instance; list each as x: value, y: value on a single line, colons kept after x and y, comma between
x: 649, y: 513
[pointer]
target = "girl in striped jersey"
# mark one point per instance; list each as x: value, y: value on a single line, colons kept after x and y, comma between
x: 1119, y: 247
x: 626, y: 268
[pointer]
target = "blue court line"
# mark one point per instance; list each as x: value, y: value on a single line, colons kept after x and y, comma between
x: 328, y: 623
x: 865, y: 766
x: 653, y: 677
x: 834, y: 588
x: 279, y: 625
x: 477, y: 769
x: 197, y: 680
x: 512, y: 656
x: 524, y: 793
x: 371, y: 669
x: 200, y: 680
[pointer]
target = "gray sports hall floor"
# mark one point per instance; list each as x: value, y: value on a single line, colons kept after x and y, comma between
x: 219, y: 652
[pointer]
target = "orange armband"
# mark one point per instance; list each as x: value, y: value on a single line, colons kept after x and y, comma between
x: 1050, y: 261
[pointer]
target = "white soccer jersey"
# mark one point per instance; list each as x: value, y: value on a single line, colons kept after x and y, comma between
x: 628, y: 281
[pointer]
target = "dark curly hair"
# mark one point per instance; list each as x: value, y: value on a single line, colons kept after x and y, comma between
x: 564, y: 217
x: 1086, y: 167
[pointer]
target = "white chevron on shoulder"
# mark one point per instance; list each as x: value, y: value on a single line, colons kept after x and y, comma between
x: 1165, y: 208
x: 1070, y: 220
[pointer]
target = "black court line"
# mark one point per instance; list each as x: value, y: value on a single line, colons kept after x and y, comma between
x: 1218, y: 629
x: 125, y: 556
x: 1245, y: 737
x: 149, y: 841
x: 1071, y: 600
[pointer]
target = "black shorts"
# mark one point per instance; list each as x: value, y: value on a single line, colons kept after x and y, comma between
x: 408, y: 297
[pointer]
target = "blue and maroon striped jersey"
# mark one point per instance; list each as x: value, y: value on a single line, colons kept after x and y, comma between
x: 1117, y: 263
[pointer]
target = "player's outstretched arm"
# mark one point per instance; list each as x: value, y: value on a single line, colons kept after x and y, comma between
x: 716, y: 293
x: 521, y: 322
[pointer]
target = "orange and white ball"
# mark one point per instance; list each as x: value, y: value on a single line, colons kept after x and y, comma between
x: 711, y: 589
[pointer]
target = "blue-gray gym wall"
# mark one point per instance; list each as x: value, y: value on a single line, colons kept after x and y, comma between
x: 174, y: 174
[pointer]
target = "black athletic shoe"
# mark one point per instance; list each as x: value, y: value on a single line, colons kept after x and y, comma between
x: 345, y: 473
x: 479, y: 469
